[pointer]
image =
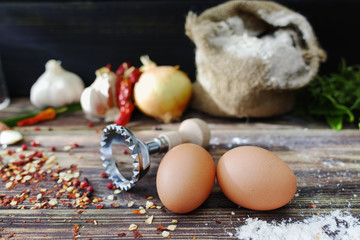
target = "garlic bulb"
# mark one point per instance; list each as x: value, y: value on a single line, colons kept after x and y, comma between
x: 56, y: 87
x: 99, y: 99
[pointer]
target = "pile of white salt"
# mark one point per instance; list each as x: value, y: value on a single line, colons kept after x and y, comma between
x: 334, y: 226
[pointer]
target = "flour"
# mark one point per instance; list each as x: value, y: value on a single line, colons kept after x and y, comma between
x: 279, y: 51
x: 283, y: 19
x: 334, y: 226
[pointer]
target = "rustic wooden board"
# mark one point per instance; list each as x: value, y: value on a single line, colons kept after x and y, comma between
x: 326, y: 164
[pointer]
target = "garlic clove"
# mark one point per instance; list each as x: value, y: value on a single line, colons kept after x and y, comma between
x: 112, y: 114
x: 99, y: 99
x: 8, y: 137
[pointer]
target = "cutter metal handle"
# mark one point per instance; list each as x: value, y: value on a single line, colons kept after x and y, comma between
x: 191, y: 130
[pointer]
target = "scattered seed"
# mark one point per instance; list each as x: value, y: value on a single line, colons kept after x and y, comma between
x: 110, y: 197
x: 165, y: 234
x: 39, y: 196
x: 53, y: 202
x: 149, y: 205
x: 133, y: 227
x: 171, y: 227
x: 8, y: 185
x: 149, y: 219
x: 67, y: 148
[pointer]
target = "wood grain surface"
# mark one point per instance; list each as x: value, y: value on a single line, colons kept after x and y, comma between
x: 326, y: 164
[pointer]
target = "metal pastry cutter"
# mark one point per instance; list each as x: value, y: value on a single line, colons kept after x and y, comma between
x: 190, y: 131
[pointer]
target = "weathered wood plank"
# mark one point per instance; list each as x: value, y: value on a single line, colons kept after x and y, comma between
x: 326, y: 164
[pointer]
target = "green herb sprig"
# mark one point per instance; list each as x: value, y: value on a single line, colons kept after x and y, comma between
x: 335, y: 98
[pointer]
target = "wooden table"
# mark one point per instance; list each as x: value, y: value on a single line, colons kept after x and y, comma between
x: 326, y: 164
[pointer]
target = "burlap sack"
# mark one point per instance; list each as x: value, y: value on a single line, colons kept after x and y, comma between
x: 250, y: 55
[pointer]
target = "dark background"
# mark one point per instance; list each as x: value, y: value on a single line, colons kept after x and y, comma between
x: 86, y: 35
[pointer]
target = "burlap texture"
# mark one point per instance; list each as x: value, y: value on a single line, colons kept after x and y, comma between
x: 233, y: 84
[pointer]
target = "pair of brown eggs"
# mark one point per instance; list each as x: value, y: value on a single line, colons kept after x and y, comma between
x: 249, y: 176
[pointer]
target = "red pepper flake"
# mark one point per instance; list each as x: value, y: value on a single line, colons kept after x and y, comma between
x: 84, y: 184
x: 37, y: 129
x: 90, y: 124
x: 137, y: 234
x: 217, y: 222
x: 100, y: 206
x: 161, y: 227
x: 137, y: 212
x: 125, y: 152
x: 121, y: 234
x: 34, y: 143
x: 76, y: 230
x: 75, y: 145
x: 45, y: 235
x: 104, y: 175
x: 39, y: 154
x: 52, y: 148
x: 11, y: 235
x: 110, y: 185
x: 75, y: 182
x: 9, y: 152
x: 89, y: 188
x: 24, y: 147
x: 37, y: 220
x: 115, y: 205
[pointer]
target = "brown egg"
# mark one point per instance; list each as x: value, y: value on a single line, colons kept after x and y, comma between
x: 185, y: 177
x: 255, y: 178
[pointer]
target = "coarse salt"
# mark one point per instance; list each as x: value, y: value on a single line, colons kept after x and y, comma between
x: 337, y: 225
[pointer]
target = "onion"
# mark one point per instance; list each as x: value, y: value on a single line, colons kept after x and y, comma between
x: 162, y: 92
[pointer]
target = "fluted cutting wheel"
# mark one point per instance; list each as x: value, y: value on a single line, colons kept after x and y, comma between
x: 118, y: 134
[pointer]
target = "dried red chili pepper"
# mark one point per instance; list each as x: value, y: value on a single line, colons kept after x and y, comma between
x: 127, y: 76
x: 47, y: 114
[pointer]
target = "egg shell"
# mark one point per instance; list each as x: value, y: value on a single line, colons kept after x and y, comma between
x: 255, y: 178
x: 185, y: 177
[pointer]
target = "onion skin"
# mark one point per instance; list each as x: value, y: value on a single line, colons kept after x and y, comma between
x: 163, y: 92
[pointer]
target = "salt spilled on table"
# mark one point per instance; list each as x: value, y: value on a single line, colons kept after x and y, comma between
x: 336, y: 225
